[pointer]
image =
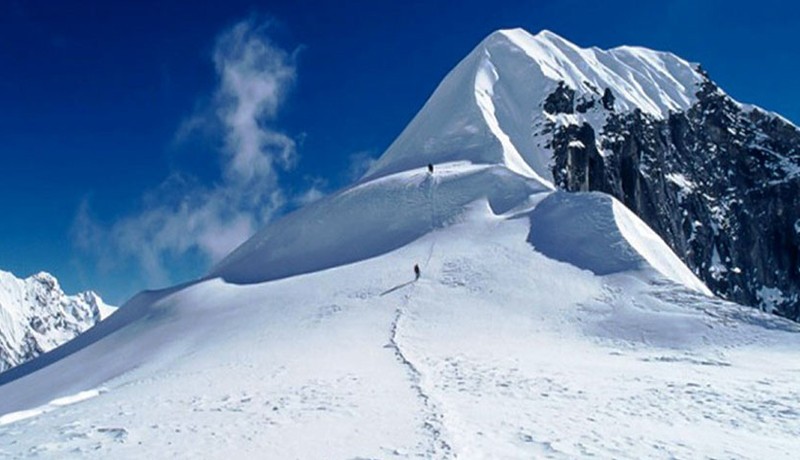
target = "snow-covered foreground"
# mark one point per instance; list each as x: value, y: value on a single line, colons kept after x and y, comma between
x: 502, y: 349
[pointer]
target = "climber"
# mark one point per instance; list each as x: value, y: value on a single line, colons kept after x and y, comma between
x: 430, y: 168
x: 416, y: 272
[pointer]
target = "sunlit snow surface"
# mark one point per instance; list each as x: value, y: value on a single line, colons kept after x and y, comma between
x: 498, y: 351
x: 489, y: 108
x: 544, y: 325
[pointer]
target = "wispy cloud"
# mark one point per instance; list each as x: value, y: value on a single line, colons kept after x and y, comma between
x: 314, y: 192
x: 184, y: 216
x: 254, y: 77
x: 359, y: 164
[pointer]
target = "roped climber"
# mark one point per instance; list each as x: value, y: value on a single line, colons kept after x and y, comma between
x: 430, y: 168
x: 416, y: 272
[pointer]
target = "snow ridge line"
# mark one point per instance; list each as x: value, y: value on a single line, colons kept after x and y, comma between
x: 439, y: 448
x: 485, y: 79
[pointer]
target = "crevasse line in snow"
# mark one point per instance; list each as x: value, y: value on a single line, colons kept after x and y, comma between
x: 485, y: 79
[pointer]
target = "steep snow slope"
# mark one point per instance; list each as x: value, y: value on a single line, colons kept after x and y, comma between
x: 36, y: 316
x: 503, y: 348
x: 493, y: 107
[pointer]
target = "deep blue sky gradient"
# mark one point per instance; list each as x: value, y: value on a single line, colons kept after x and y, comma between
x: 93, y: 93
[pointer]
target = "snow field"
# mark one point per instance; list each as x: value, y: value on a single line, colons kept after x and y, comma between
x: 498, y: 351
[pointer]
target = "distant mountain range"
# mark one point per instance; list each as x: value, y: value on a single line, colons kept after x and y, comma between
x: 36, y: 316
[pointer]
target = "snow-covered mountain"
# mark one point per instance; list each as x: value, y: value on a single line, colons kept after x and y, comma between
x: 36, y: 316
x: 718, y: 180
x: 545, y: 324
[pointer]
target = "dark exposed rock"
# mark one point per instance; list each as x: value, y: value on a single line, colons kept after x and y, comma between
x: 608, y: 99
x: 584, y: 105
x: 719, y: 183
x: 562, y: 100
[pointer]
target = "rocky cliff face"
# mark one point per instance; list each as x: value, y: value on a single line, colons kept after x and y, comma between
x: 719, y: 182
x: 36, y: 316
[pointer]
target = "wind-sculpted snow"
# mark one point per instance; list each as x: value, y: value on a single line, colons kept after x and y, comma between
x: 491, y: 107
x: 656, y: 83
x: 581, y: 230
x: 653, y: 249
x: 371, y: 219
x: 593, y: 231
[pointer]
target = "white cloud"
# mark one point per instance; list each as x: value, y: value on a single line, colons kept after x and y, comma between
x: 183, y: 216
x: 315, y: 192
x: 254, y: 77
x: 359, y: 164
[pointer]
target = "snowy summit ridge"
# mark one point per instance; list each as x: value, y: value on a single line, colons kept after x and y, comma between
x: 543, y: 324
x: 484, y: 108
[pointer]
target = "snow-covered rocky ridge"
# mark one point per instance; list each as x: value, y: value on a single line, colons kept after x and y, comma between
x: 545, y: 324
x: 501, y: 103
x: 36, y: 316
x: 717, y: 179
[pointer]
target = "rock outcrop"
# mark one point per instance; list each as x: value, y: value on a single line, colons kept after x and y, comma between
x: 720, y: 183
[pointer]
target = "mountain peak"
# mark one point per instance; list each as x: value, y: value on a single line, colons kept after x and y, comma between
x: 36, y: 316
x: 544, y: 34
x: 483, y: 110
x: 45, y: 279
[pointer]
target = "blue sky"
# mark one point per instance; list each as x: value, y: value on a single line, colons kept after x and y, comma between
x: 127, y: 139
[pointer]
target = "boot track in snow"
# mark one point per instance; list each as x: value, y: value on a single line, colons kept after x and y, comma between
x: 440, y: 447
